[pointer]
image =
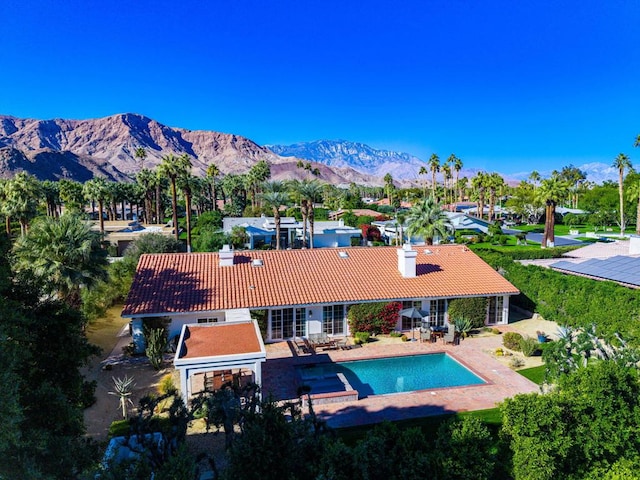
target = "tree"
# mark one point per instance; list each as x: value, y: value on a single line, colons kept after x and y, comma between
x: 274, y: 197
x: 188, y: 184
x: 633, y: 194
x: 389, y: 187
x: 22, y: 195
x: 427, y: 220
x: 96, y: 191
x: 457, y: 166
x: 123, y: 388
x: 173, y: 167
x: 72, y: 195
x: 494, y: 183
x: 423, y: 171
x: 141, y: 154
x: 311, y: 191
x: 434, y: 166
x: 212, y: 175
x: 51, y: 192
x: 621, y: 162
x: 479, y: 184
x: 551, y: 192
x: 63, y: 256
x: 146, y: 180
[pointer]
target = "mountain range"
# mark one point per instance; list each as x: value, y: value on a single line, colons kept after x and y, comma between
x: 82, y: 149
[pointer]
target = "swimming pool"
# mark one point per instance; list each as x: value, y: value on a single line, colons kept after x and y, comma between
x: 382, y: 376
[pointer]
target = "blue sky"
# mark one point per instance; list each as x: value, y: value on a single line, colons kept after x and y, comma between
x: 506, y: 85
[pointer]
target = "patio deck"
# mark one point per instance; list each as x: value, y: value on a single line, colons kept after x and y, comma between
x: 280, y: 380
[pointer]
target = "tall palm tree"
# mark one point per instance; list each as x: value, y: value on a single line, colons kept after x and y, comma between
x: 621, y: 162
x: 274, y: 197
x: 96, y: 191
x: 457, y: 166
x: 551, y: 191
x: 64, y: 254
x: 423, y: 171
x: 479, y: 185
x: 22, y: 196
x: 388, y: 185
x: 141, y: 154
x: 535, y: 178
x: 427, y: 220
x: 637, y: 142
x: 311, y: 191
x: 434, y: 166
x: 633, y: 194
x: 188, y: 185
x: 146, y: 180
x: 51, y: 192
x: 446, y: 174
x: 172, y: 167
x: 495, y: 183
x: 401, y: 218
x: 212, y: 173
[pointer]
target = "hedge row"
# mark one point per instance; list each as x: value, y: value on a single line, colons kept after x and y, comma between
x: 573, y: 301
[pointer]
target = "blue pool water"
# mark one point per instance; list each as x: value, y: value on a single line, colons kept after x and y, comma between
x: 390, y: 375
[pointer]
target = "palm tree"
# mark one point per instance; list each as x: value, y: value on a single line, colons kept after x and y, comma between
x: 63, y: 254
x: 427, y: 220
x: 22, y: 195
x: 479, y: 184
x: 633, y: 194
x: 434, y: 166
x: 388, y: 185
x: 637, y: 142
x: 141, y: 153
x: 172, y: 167
x: 310, y: 191
x: 96, y: 191
x: 551, y: 191
x: 457, y: 166
x: 401, y: 217
x: 495, y: 183
x: 535, y: 178
x: 51, y: 192
x: 146, y: 180
x: 212, y: 173
x: 274, y: 197
x: 423, y: 171
x: 188, y: 184
x: 621, y: 162
x: 446, y: 172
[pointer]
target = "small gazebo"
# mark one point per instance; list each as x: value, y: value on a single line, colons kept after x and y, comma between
x: 213, y: 350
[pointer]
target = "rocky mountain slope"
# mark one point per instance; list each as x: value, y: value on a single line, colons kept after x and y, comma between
x: 340, y: 153
x: 81, y: 149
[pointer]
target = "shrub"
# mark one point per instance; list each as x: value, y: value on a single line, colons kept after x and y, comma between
x: 472, y: 308
x: 516, y: 362
x: 528, y: 346
x: 374, y: 318
x: 361, y: 337
x: 495, y: 331
x: 156, y: 345
x: 395, y: 333
x: 463, y: 326
x: 166, y: 385
x: 511, y: 340
x: 404, y: 338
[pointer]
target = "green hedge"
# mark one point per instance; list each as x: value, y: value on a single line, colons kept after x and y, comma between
x: 573, y: 301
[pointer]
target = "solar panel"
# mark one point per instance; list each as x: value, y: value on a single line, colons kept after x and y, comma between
x: 619, y: 268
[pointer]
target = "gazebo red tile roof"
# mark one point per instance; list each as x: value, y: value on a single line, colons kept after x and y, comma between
x: 192, y: 282
x: 233, y: 338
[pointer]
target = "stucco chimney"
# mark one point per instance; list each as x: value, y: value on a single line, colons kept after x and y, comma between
x: 226, y: 256
x: 407, y: 261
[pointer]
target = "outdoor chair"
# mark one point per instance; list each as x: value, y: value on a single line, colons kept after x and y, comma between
x: 450, y: 335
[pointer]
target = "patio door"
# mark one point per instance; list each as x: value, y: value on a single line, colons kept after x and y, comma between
x: 437, y: 309
x: 496, y: 305
x: 409, y: 323
x: 288, y: 322
x: 333, y: 319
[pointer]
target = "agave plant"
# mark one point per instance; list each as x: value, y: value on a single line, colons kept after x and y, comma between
x: 463, y: 326
x: 123, y: 389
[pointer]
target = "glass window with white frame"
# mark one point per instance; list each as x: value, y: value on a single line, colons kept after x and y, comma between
x: 333, y: 319
x: 409, y: 323
x: 437, y: 311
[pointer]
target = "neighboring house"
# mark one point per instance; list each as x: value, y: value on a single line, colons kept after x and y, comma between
x: 262, y: 231
x: 122, y: 233
x: 461, y: 221
x: 358, y: 212
x: 299, y: 292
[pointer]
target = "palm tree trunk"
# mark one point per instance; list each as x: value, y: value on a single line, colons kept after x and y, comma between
x: 7, y: 225
x: 638, y: 218
x: 187, y: 201
x: 100, y: 210
x: 620, y: 190
x: 276, y: 217
x: 174, y: 207
x: 310, y: 215
x: 158, y: 220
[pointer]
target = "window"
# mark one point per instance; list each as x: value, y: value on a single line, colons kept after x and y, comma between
x: 333, y: 319
x: 496, y: 305
x: 437, y: 309
x: 288, y: 322
x: 409, y: 323
x: 208, y: 320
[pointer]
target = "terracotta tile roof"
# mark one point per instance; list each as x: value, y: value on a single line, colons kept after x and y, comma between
x: 220, y: 339
x: 184, y: 282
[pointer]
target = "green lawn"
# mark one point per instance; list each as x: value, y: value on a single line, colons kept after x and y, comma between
x: 560, y: 229
x: 535, y: 374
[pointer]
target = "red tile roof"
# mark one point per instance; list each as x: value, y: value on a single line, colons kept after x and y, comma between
x: 186, y: 282
x: 234, y: 338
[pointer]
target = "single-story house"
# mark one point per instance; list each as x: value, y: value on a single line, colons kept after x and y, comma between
x: 262, y: 231
x: 299, y: 292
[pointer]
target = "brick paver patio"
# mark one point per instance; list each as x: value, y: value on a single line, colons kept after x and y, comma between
x: 280, y: 380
